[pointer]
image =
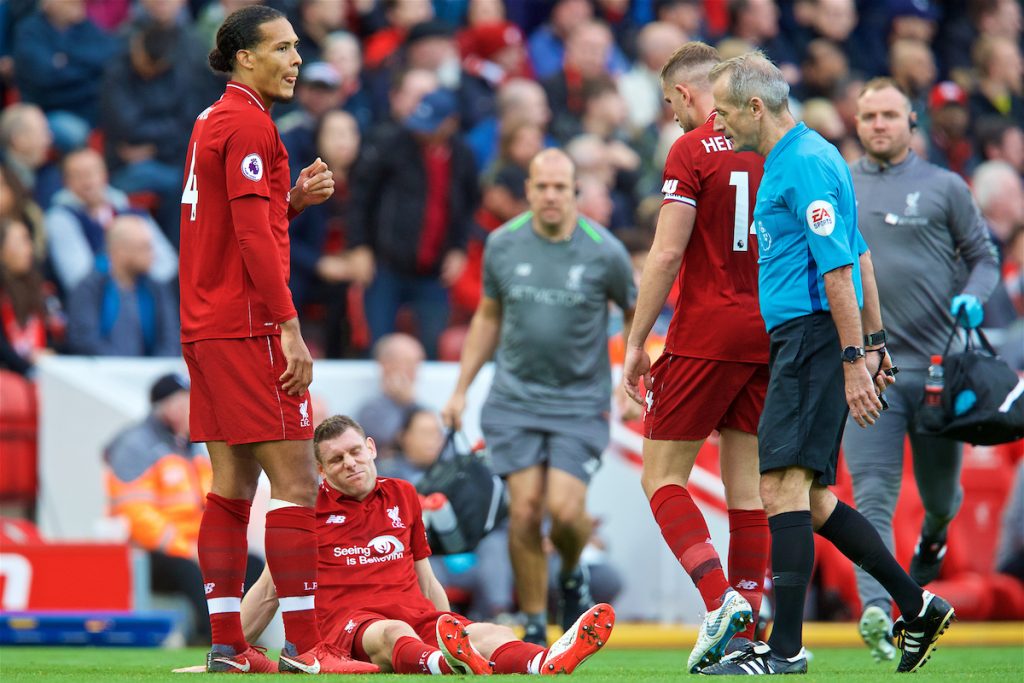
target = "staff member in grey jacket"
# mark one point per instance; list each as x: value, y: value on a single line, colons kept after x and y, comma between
x: 933, y: 261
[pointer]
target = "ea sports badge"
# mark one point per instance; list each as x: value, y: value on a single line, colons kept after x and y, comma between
x: 821, y: 218
x: 252, y: 167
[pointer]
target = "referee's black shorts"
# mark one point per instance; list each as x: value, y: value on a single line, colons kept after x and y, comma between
x: 805, y: 408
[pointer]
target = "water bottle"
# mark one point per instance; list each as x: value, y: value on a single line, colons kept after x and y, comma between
x: 441, y: 518
x: 932, y: 417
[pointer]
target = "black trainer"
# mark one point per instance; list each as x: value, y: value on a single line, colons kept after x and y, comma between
x: 575, y: 597
x: 757, y: 659
x: 917, y: 637
x: 927, y: 561
x: 536, y: 634
x: 737, y: 643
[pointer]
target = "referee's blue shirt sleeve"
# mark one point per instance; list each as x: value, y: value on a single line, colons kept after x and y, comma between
x: 862, y: 246
x: 815, y: 201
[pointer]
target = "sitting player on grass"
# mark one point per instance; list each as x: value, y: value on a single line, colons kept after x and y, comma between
x: 378, y: 599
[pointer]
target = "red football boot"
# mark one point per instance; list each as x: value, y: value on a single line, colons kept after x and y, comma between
x: 588, y: 635
x: 322, y: 659
x: 252, y: 660
x: 453, y: 641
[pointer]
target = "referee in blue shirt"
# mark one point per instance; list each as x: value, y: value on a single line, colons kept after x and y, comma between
x: 818, y: 297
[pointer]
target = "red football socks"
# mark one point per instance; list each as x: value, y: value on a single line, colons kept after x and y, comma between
x: 291, y: 554
x: 684, y: 529
x: 412, y: 656
x: 517, y: 657
x: 749, y: 544
x: 222, y: 557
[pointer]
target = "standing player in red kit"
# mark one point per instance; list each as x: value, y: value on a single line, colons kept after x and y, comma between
x: 240, y: 337
x: 714, y: 371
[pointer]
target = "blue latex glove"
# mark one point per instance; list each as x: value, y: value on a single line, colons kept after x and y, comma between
x: 459, y: 563
x: 967, y: 310
x: 965, y: 400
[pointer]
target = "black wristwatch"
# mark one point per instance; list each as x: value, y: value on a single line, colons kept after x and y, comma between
x: 852, y: 353
x: 875, y: 338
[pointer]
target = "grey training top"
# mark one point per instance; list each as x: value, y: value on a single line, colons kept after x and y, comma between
x: 928, y: 244
x: 552, y: 358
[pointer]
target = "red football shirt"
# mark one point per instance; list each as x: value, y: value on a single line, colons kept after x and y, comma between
x: 368, y: 549
x: 234, y: 278
x: 716, y: 315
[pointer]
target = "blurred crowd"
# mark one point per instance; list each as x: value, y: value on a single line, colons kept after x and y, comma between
x: 428, y: 112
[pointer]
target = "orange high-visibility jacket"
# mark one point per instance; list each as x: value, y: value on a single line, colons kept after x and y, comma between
x: 158, y: 483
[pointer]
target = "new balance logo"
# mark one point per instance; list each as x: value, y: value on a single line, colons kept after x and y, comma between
x: 335, y: 519
x: 747, y: 585
x: 350, y: 626
x: 208, y: 587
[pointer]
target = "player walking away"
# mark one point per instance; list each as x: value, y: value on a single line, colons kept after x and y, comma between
x: 548, y: 277
x: 714, y: 372
x: 815, y: 276
x: 379, y: 600
x: 240, y: 335
x: 921, y: 223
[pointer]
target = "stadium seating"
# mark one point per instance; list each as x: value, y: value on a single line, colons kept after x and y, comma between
x: 18, y: 429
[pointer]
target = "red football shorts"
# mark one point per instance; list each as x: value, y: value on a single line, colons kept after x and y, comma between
x: 691, y: 397
x: 347, y: 632
x: 237, y: 395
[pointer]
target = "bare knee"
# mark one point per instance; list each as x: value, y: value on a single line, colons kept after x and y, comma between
x: 379, y: 640
x: 667, y: 463
x: 785, y: 490
x: 291, y: 469
x: 298, y: 492
x: 234, y: 487
x: 525, y: 514
x: 823, y: 504
x: 652, y: 481
x: 566, y: 515
x: 489, y: 637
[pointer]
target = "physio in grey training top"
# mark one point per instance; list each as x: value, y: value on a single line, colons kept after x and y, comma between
x: 548, y: 277
x: 933, y: 260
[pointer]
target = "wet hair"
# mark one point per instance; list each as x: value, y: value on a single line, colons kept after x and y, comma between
x: 333, y: 427
x: 240, y: 31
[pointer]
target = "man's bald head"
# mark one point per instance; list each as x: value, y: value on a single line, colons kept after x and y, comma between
x: 551, y: 158
x: 398, y: 347
x: 130, y: 245
x: 551, y: 192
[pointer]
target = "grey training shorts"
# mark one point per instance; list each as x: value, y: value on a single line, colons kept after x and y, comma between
x: 518, y: 440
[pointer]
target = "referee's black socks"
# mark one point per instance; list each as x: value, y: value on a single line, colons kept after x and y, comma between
x: 855, y: 537
x: 792, y: 562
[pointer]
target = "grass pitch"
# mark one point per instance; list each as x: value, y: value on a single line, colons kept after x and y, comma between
x: 88, y: 665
